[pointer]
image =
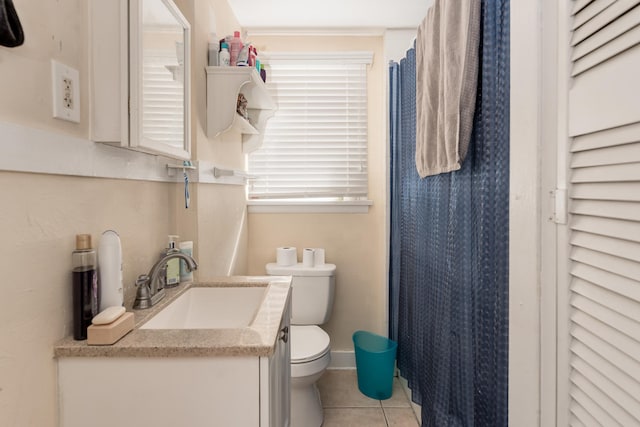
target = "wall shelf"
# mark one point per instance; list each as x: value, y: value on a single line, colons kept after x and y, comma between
x: 224, y: 84
x: 244, y: 126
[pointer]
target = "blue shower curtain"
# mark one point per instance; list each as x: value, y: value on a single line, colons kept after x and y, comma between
x: 449, y: 249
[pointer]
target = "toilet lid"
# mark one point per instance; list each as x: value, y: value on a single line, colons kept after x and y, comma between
x: 308, y: 343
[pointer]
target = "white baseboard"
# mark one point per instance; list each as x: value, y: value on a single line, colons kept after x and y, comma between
x: 343, y: 360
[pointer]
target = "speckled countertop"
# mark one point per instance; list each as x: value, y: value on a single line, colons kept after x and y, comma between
x: 257, y: 339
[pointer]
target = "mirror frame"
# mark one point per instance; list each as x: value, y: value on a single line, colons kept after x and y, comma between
x: 136, y: 138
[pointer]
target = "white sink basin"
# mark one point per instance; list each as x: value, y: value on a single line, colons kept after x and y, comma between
x: 210, y: 308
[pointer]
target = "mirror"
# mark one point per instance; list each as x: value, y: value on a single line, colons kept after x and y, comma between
x: 159, y: 46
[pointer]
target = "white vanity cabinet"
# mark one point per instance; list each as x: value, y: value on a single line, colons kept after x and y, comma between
x: 159, y: 392
x: 224, y: 390
x: 187, y: 391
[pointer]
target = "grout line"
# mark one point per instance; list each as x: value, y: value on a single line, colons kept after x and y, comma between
x: 384, y: 413
x: 351, y: 407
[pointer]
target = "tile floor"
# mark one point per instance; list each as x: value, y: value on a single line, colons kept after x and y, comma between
x: 345, y: 406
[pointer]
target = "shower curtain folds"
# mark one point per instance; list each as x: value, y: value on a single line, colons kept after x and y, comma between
x: 448, y: 271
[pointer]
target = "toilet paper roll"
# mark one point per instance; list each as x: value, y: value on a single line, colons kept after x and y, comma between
x: 319, y: 256
x: 308, y: 257
x: 286, y: 256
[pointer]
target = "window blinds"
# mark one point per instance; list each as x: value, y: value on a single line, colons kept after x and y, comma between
x: 315, y: 146
x: 162, y: 99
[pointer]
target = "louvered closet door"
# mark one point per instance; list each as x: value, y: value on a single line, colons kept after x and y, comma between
x: 604, y: 123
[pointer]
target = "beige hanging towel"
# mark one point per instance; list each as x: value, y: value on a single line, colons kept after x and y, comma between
x: 447, y: 51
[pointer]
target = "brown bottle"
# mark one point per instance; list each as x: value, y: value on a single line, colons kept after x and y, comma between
x: 85, y: 286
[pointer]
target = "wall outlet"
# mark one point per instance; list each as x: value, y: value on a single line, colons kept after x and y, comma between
x: 66, y: 92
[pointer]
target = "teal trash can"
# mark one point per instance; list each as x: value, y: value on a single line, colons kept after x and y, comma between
x: 375, y: 361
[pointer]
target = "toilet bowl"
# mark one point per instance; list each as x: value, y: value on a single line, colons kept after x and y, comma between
x: 310, y: 357
x: 313, y: 290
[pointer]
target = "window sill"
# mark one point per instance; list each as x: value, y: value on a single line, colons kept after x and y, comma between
x: 297, y: 206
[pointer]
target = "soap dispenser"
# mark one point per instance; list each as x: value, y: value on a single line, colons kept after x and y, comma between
x: 186, y: 275
x: 173, y: 265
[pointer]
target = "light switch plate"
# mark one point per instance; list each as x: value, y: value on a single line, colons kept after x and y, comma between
x: 66, y: 92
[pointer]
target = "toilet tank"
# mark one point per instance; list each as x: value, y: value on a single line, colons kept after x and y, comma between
x: 313, y: 289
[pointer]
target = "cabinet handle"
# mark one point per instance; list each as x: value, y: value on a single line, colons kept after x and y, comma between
x: 285, y: 334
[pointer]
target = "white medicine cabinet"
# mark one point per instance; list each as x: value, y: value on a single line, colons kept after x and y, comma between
x: 140, y: 69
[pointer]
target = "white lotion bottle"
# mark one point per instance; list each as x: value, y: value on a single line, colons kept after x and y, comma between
x: 185, y: 274
x: 224, y: 58
x: 110, y: 270
x: 173, y: 265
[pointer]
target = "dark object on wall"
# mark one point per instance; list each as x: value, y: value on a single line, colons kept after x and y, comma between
x: 241, y: 106
x: 11, y: 34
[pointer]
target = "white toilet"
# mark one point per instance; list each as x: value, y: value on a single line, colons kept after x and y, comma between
x: 313, y: 289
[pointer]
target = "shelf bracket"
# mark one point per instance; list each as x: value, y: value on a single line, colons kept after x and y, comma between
x: 185, y: 166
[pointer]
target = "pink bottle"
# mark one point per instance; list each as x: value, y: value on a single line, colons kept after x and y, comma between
x: 235, y: 47
x: 252, y: 56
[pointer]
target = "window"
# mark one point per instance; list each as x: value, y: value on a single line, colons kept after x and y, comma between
x: 315, y: 146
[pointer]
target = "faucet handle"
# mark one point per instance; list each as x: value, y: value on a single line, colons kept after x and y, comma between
x: 142, y: 279
x: 143, y: 294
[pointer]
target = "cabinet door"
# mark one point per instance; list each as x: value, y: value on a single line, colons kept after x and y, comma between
x: 282, y: 374
x: 220, y: 391
x: 275, y: 379
x: 159, y: 71
x: 140, y: 69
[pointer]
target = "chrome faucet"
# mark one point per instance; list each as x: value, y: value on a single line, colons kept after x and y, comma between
x: 151, y: 286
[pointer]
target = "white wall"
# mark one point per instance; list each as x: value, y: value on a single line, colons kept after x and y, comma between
x: 354, y: 242
x: 528, y: 215
x: 217, y: 222
x: 397, y: 42
x: 41, y: 213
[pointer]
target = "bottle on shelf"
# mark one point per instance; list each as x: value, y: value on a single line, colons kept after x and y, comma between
x: 252, y: 56
x: 243, y: 57
x: 85, y: 286
x: 263, y: 73
x: 235, y: 46
x: 213, y: 50
x: 224, y: 58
